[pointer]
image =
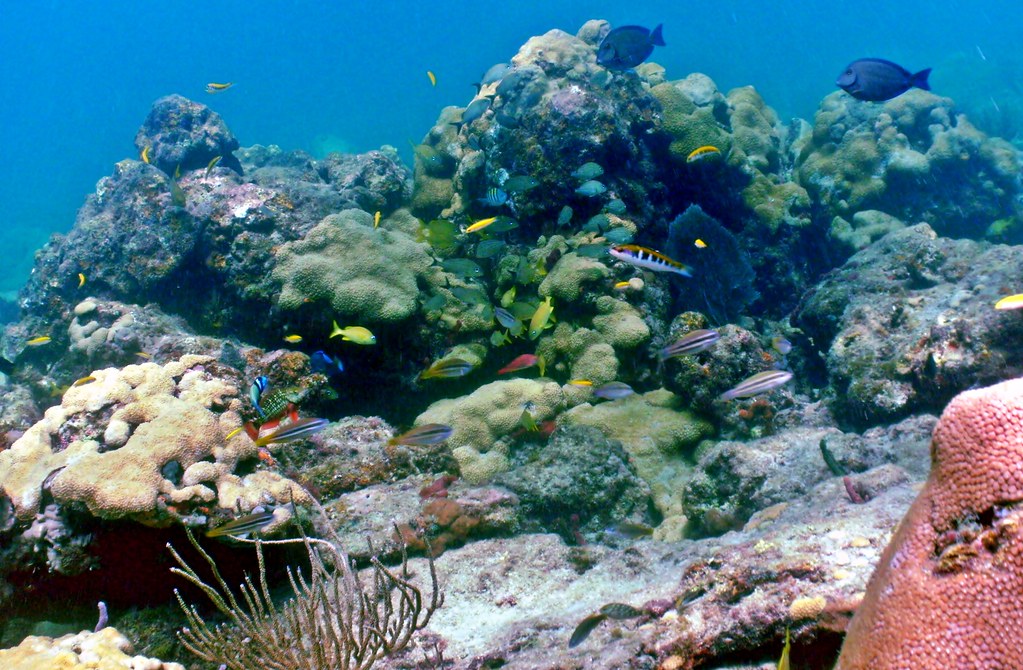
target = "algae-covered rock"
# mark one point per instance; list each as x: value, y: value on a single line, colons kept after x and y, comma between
x: 620, y: 323
x: 365, y: 275
x: 695, y: 114
x: 866, y: 227
x: 566, y: 280
x: 579, y: 353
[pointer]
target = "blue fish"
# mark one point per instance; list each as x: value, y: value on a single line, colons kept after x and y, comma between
x: 876, y: 79
x: 628, y: 46
x: 321, y: 362
x: 495, y: 197
x: 256, y: 391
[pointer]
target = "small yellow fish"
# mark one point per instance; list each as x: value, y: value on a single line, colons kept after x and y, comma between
x: 145, y: 154
x: 83, y: 381
x: 702, y: 152
x: 622, y: 286
x: 356, y: 334
x: 376, y: 219
x: 293, y: 339
x: 1010, y: 302
x: 143, y: 355
x: 508, y: 297
x: 212, y: 164
x: 233, y: 433
x: 542, y: 364
x: 81, y: 280
x: 433, y: 77
x: 214, y: 87
x: 480, y: 225
x: 38, y: 341
x: 783, y: 662
x: 700, y: 244
x: 581, y: 383
x: 177, y: 171
x: 541, y: 318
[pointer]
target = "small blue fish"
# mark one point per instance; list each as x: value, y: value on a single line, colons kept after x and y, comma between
x: 591, y: 188
x: 495, y: 197
x: 321, y: 362
x: 506, y: 318
x: 258, y: 388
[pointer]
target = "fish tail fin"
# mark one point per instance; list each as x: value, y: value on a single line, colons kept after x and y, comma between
x: 478, y: 87
x: 658, y: 40
x: 6, y: 366
x: 920, y: 79
x: 336, y: 330
x: 458, y: 126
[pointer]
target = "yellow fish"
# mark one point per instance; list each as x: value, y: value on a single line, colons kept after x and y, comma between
x: 81, y: 280
x: 542, y: 364
x: 433, y: 77
x: 621, y: 286
x: 177, y: 171
x: 783, y: 662
x: 214, y: 87
x: 541, y: 317
x: 145, y: 155
x: 356, y: 334
x: 38, y: 341
x: 233, y: 433
x: 480, y: 225
x: 1010, y: 302
x: 143, y: 355
x: 581, y: 383
x: 293, y: 339
x: 702, y: 152
x: 83, y: 381
x: 376, y: 219
x: 212, y: 164
x: 700, y: 244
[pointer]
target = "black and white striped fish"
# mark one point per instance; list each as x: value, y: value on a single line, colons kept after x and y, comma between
x: 762, y: 382
x: 648, y: 259
x: 495, y: 197
x: 689, y: 344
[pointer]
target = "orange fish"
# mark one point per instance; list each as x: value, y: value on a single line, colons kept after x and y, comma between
x: 519, y: 363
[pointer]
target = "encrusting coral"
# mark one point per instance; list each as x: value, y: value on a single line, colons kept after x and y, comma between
x: 106, y: 649
x: 946, y: 591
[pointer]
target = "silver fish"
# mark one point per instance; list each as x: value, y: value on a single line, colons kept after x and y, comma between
x: 691, y: 343
x: 591, y: 188
x: 250, y: 523
x: 296, y: 430
x: 425, y: 435
x: 613, y: 390
x: 762, y: 382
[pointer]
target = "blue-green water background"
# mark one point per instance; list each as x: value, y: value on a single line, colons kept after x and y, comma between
x: 79, y: 78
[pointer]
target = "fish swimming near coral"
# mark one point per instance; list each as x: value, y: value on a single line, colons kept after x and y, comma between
x: 321, y: 362
x: 523, y: 362
x: 296, y: 430
x: 145, y: 155
x: 583, y: 630
x: 495, y: 73
x: 495, y: 197
x: 541, y: 318
x: 376, y: 219
x: 520, y: 183
x: 876, y: 79
x: 432, y: 77
x: 214, y: 87
x: 1010, y: 302
x: 613, y: 391
x: 783, y: 662
x: 81, y: 280
x: 588, y: 171
x: 507, y: 319
x: 82, y: 381
x: 475, y: 110
x: 699, y: 244
x: 780, y: 344
x: 762, y: 382
x: 591, y: 189
x: 292, y: 339
x: 447, y: 368
x: 690, y: 343
x: 423, y: 436
x: 481, y: 224
x: 356, y: 334
x: 39, y: 341
x: 701, y: 153
x: 627, y: 46
x: 209, y: 166
x: 250, y: 523
x: 256, y: 391
x: 648, y: 259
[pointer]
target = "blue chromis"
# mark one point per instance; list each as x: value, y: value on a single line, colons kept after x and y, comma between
x: 259, y: 386
x: 296, y: 430
x: 356, y: 334
x: 322, y: 362
x: 627, y: 46
x: 762, y: 382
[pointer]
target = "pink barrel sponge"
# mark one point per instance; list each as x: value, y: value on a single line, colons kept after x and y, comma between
x: 948, y: 591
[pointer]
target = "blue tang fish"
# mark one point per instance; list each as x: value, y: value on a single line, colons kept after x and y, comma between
x: 320, y: 361
x: 876, y: 79
x: 628, y: 46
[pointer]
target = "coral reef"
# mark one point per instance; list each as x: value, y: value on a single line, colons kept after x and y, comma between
x: 185, y: 135
x: 105, y: 649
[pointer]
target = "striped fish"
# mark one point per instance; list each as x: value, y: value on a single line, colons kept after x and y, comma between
x: 648, y: 259
x: 250, y: 523
x: 422, y: 436
x: 296, y: 430
x: 495, y: 197
x: 762, y: 382
x: 447, y: 368
x: 691, y: 343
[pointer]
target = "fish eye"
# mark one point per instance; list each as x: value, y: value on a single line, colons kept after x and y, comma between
x: 849, y: 71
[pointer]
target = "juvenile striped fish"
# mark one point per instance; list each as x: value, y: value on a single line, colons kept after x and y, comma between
x: 447, y: 368
x: 422, y: 436
x: 250, y: 523
x: 762, y: 382
x: 495, y: 197
x: 648, y: 259
x: 296, y: 430
x: 613, y: 391
x: 691, y: 343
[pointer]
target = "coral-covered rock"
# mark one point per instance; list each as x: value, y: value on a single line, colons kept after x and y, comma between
x: 106, y: 649
x: 946, y: 590
x: 184, y: 134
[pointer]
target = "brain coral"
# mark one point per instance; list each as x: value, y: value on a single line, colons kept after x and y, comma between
x: 140, y: 443
x: 365, y: 274
x: 946, y: 592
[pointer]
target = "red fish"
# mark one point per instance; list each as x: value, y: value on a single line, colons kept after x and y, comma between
x: 519, y: 363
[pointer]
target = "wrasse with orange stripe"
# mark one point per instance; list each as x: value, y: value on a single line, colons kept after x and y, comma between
x: 648, y: 259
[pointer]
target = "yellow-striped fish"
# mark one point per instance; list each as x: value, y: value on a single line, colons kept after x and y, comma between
x: 81, y: 280
x: 145, y: 154
x: 83, y: 381
x: 233, y: 433
x: 293, y: 339
x: 621, y: 286
x: 214, y: 87
x: 212, y: 164
x: 480, y: 225
x: 702, y: 152
x: 376, y: 219
x: 432, y: 76
x: 38, y: 341
x: 1010, y: 302
x: 581, y: 383
x: 700, y: 244
x: 648, y: 259
x: 144, y: 356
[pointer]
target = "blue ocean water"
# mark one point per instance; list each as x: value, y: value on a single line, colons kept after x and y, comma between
x: 79, y: 78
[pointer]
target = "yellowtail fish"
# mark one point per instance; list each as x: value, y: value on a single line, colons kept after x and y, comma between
x: 433, y: 78
x: 83, y: 381
x: 293, y: 339
x: 700, y: 244
x: 700, y: 153
x: 581, y: 383
x: 648, y: 259
x: 81, y: 280
x: 541, y: 318
x: 1010, y: 302
x: 214, y: 87
x: 376, y: 219
x: 783, y: 662
x: 38, y: 341
x: 145, y: 155
x: 212, y: 164
x: 480, y: 225
x: 234, y: 432
x: 356, y: 334
x: 296, y: 430
x: 422, y: 436
x: 447, y: 368
x: 762, y: 382
x: 689, y: 344
x: 250, y: 523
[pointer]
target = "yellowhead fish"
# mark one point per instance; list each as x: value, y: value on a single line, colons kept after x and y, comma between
x: 433, y: 78
x: 1010, y: 302
x: 293, y: 339
x: 145, y: 154
x: 480, y: 225
x: 38, y: 341
x: 81, y: 280
x: 212, y: 164
x: 376, y: 219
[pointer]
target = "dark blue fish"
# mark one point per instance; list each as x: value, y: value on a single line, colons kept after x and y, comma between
x: 475, y: 110
x: 321, y: 362
x: 495, y: 197
x: 628, y: 46
x: 495, y: 73
x: 259, y: 386
x: 876, y: 79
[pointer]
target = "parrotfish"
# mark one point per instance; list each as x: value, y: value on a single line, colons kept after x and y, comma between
x: 762, y: 382
x: 628, y: 46
x: 648, y: 259
x: 876, y: 79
